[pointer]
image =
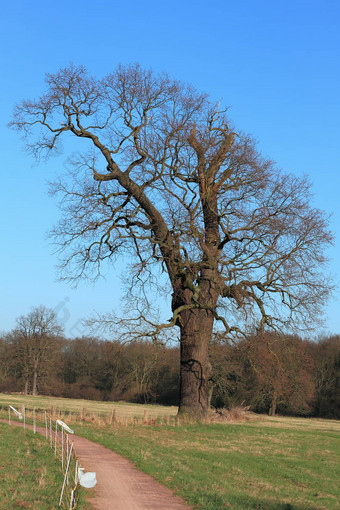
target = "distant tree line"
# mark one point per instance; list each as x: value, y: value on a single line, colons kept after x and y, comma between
x: 271, y: 374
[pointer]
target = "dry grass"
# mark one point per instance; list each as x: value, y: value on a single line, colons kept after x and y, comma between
x: 287, y: 422
x: 234, y: 415
x: 88, y: 407
x: 113, y: 419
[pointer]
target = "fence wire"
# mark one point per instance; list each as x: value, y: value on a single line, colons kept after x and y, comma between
x: 61, y: 445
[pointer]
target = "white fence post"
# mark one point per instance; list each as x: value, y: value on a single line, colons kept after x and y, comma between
x: 67, y: 468
x: 55, y: 439
x: 67, y: 450
x: 15, y: 411
x: 46, y: 428
x: 76, y: 474
x: 71, y: 499
x: 62, y: 448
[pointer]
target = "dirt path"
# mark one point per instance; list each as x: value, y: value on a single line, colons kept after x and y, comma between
x: 120, y: 485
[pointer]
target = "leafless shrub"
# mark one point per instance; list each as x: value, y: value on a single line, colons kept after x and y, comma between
x: 235, y: 414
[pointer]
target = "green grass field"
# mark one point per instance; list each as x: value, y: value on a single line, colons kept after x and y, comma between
x: 268, y: 463
x: 30, y: 476
x: 261, y: 465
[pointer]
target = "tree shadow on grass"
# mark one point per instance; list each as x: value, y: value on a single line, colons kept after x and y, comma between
x: 246, y: 502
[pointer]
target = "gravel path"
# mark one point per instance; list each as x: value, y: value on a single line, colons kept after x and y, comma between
x: 120, y: 485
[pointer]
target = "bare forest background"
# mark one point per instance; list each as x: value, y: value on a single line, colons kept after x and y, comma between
x: 287, y: 375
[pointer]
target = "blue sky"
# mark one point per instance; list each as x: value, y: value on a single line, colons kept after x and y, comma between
x: 276, y: 64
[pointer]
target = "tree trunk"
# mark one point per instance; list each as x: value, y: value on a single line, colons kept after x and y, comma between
x: 210, y: 393
x: 35, y: 379
x: 273, y: 405
x: 26, y: 386
x: 196, y: 330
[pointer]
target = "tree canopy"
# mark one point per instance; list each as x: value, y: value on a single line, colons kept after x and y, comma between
x: 162, y: 175
x: 34, y: 342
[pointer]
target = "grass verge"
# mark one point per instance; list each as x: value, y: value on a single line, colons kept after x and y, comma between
x: 260, y: 465
x: 30, y: 476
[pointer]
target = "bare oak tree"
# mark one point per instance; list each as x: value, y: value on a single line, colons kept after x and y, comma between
x: 163, y: 174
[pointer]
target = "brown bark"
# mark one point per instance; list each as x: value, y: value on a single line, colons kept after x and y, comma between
x: 196, y: 329
x: 273, y: 405
x: 26, y: 387
x: 35, y: 378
